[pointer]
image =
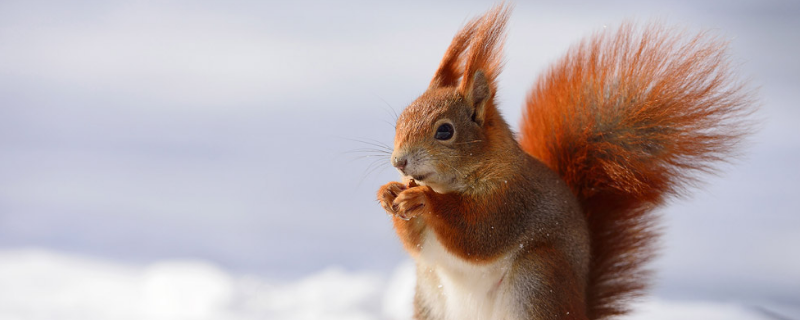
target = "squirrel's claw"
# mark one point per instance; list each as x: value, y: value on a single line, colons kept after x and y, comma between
x: 410, y: 203
x: 388, y: 193
x: 403, y: 201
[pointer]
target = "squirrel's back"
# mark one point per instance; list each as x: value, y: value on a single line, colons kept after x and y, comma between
x: 627, y: 119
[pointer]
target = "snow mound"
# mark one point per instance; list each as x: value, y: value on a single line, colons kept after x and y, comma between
x: 39, y: 284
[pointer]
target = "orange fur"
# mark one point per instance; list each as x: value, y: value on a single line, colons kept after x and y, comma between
x: 451, y: 69
x: 486, y: 49
x: 620, y: 124
x: 627, y: 119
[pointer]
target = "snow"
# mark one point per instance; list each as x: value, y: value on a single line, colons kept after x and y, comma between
x: 43, y: 284
x: 655, y: 309
x: 151, y: 130
x: 142, y: 131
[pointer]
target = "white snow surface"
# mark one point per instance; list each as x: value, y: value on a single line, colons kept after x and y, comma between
x: 43, y: 284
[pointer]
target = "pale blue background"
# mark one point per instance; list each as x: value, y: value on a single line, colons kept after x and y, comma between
x: 140, y: 131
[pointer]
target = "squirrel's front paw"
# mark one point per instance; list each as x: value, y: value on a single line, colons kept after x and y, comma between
x: 388, y: 193
x: 410, y: 203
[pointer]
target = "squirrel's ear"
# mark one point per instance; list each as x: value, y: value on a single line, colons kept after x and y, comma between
x: 450, y: 69
x: 478, y: 96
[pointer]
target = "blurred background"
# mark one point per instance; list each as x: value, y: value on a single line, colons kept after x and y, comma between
x: 203, y: 160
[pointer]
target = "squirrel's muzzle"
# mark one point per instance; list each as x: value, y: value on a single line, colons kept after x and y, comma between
x: 399, y: 162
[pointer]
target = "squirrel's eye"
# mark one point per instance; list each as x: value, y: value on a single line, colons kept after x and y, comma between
x: 444, y: 132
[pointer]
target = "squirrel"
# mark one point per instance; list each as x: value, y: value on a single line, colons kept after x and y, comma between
x: 557, y: 223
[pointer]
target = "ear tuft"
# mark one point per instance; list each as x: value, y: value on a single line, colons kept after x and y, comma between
x: 451, y: 68
x: 478, y: 95
x: 483, y: 61
x: 477, y: 46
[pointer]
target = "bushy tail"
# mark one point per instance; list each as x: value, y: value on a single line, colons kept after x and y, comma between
x: 628, y: 119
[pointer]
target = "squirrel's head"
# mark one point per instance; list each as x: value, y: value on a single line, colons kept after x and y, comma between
x: 446, y: 136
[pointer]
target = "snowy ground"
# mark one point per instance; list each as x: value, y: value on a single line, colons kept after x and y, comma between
x: 40, y: 284
x: 134, y: 133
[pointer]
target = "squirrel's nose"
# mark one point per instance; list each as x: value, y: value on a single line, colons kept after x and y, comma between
x: 399, y: 162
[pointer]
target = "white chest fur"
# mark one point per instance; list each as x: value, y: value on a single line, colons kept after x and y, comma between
x: 454, y: 288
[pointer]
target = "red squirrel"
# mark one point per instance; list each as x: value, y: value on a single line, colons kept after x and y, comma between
x: 558, y: 223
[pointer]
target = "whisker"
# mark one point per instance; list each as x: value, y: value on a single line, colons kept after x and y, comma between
x: 394, y: 125
x: 454, y: 169
x: 366, y: 150
x: 376, y: 164
x: 390, y: 108
x: 383, y: 168
x: 458, y: 156
x: 374, y: 143
x: 380, y: 143
x: 446, y: 163
x: 372, y: 157
x: 468, y: 142
x: 379, y: 165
